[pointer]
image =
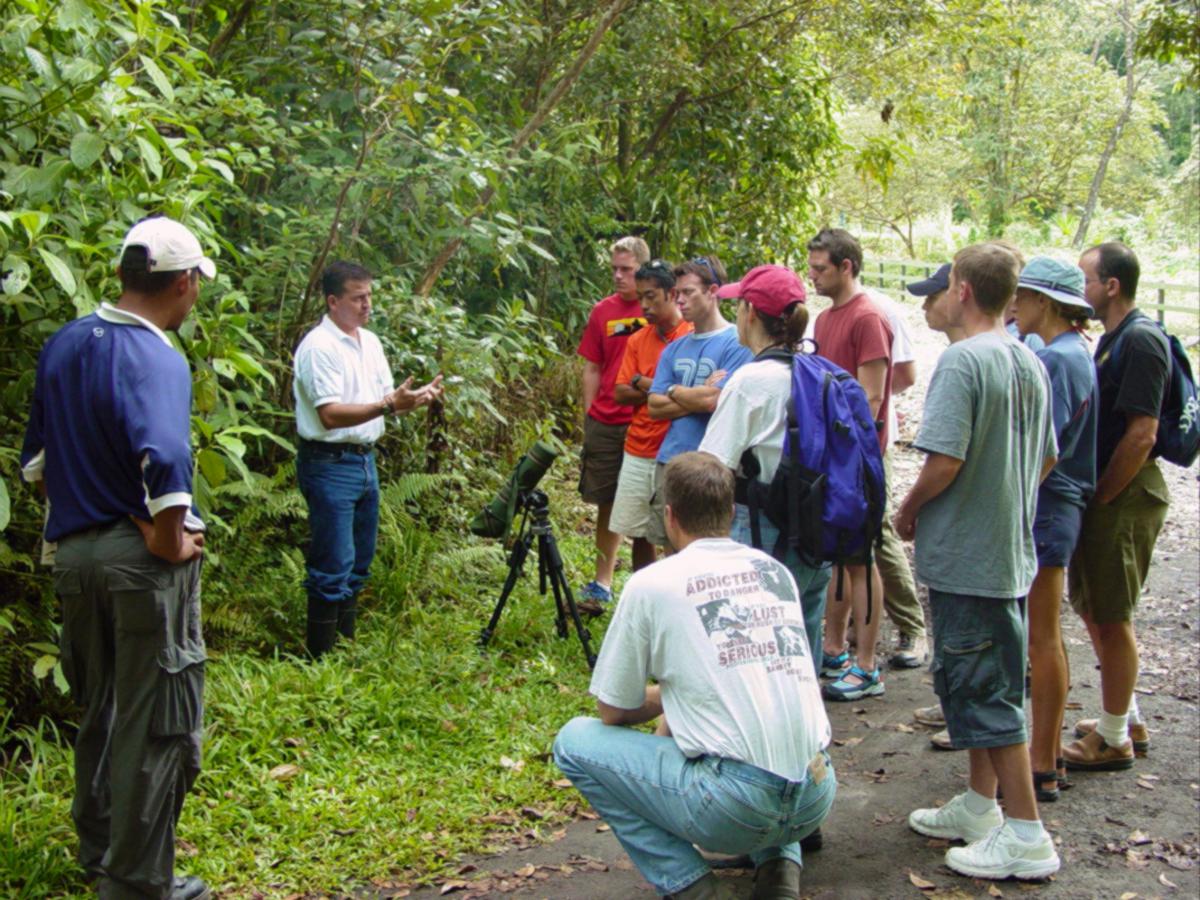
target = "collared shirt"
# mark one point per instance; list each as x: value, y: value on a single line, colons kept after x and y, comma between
x: 110, y: 426
x: 334, y: 367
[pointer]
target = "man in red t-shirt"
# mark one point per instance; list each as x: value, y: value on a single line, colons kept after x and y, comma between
x: 612, y: 321
x: 633, y: 512
x: 853, y: 333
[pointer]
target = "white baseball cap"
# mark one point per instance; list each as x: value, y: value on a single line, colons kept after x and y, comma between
x: 170, y: 247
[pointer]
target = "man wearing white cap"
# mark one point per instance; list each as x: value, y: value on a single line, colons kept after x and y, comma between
x: 109, y: 439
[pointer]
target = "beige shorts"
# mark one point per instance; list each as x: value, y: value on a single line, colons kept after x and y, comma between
x: 633, y: 513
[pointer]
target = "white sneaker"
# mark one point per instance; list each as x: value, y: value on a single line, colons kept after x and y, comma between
x: 954, y: 821
x: 1002, y: 855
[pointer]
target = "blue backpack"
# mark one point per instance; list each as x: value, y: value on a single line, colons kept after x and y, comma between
x: 827, y: 497
x: 1178, y: 439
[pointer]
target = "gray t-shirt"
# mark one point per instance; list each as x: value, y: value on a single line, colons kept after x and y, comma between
x: 988, y: 405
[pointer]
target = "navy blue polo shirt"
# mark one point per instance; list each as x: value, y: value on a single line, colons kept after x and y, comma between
x: 110, y: 428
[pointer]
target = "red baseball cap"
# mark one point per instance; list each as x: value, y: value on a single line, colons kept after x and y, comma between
x: 769, y: 289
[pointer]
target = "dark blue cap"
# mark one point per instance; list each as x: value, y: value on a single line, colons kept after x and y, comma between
x: 938, y: 281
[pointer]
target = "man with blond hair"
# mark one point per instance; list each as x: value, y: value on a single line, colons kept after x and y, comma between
x: 611, y: 323
x: 987, y: 422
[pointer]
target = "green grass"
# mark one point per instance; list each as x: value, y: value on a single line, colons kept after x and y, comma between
x: 398, y: 739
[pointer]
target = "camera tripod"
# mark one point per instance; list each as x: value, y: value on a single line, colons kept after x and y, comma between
x: 535, y: 522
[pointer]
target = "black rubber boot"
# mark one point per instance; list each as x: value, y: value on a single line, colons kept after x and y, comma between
x: 322, y: 626
x: 347, y: 616
x: 707, y: 888
x: 777, y: 879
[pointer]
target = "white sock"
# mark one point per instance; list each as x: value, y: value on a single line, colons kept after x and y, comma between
x: 1113, y: 728
x: 977, y: 804
x: 1028, y: 832
x: 1135, y: 714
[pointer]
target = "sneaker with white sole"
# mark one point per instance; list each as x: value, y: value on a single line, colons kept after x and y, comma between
x: 834, y: 666
x: 1001, y: 854
x: 911, y: 652
x: 954, y: 821
x: 854, y: 685
x: 931, y: 716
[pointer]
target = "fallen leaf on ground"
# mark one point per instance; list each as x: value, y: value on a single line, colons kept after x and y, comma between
x: 1137, y: 837
x: 562, y: 782
x: 994, y: 891
x: 284, y: 771
x: 1074, y: 704
x: 515, y: 764
x: 1144, y: 784
x: 1113, y: 821
x: 467, y: 869
x: 937, y: 843
x: 603, y: 826
x: 532, y: 812
x: 588, y: 814
x: 526, y: 871
x: 883, y: 819
x: 919, y: 882
x: 451, y: 886
x: 293, y: 742
x: 902, y: 728
x: 1166, y: 882
x: 1129, y: 895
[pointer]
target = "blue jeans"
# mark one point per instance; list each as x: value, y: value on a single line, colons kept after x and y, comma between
x: 811, y: 583
x: 659, y: 803
x: 342, y: 490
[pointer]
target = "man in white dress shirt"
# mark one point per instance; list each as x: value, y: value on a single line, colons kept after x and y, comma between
x: 343, y: 389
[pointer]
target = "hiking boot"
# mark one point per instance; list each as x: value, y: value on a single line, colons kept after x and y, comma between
x: 776, y: 879
x: 834, y: 666
x: 941, y: 740
x: 911, y: 652
x: 1094, y: 754
x: 931, y: 716
x: 1139, y: 734
x: 1001, y: 854
x: 855, y: 685
x: 709, y: 887
x: 189, y: 887
x: 954, y: 822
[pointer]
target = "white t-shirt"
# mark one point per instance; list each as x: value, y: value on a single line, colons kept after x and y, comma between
x: 719, y: 626
x: 751, y: 412
x: 902, y: 348
x: 333, y: 367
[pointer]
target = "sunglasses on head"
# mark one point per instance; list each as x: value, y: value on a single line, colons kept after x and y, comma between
x: 704, y: 261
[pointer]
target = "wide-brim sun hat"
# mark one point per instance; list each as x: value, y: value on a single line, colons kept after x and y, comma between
x: 1061, y: 281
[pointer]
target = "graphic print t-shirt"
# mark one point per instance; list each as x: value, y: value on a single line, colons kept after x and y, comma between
x: 611, y: 323
x: 688, y: 362
x: 719, y: 626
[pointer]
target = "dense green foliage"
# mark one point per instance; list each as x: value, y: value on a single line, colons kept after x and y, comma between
x: 478, y: 156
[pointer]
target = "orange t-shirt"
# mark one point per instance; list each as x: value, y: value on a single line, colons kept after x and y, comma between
x: 641, y: 358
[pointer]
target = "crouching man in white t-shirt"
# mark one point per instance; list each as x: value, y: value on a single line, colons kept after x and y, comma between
x: 719, y: 627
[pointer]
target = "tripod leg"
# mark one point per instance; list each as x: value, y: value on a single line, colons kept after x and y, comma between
x: 545, y: 555
x: 516, y: 560
x: 562, y: 592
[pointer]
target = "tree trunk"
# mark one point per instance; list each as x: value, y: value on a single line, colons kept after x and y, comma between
x: 535, y: 122
x: 1114, y: 136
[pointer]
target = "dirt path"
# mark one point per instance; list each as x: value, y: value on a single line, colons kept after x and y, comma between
x: 1121, y: 835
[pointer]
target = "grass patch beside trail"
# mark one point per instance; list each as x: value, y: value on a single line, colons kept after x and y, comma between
x: 397, y: 742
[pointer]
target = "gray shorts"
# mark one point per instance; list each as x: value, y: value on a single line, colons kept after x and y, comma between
x: 979, y: 646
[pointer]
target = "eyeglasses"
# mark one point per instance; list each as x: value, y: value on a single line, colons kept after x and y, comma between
x: 704, y: 261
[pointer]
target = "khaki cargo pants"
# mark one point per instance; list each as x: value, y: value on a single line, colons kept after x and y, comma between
x: 133, y: 655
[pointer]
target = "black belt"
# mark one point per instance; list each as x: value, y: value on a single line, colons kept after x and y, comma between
x: 339, y: 447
